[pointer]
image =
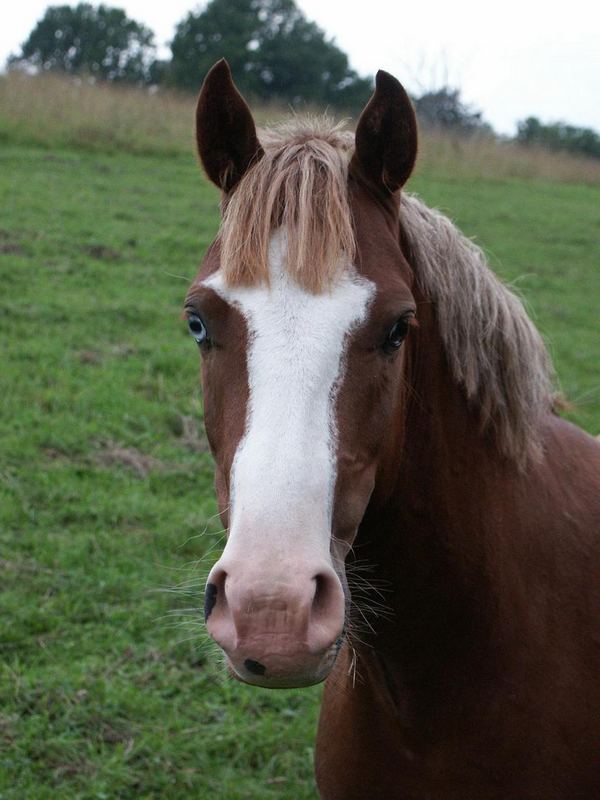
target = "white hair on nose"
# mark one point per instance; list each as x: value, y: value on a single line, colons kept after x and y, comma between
x: 295, y: 363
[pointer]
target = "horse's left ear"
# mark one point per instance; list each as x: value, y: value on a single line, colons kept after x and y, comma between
x: 386, y: 135
x: 225, y: 130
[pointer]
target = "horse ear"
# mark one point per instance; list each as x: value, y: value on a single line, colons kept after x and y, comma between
x: 386, y: 135
x: 225, y: 131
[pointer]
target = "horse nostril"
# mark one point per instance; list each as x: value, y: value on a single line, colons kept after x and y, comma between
x: 214, y: 590
x: 210, y: 598
x: 327, y: 610
x: 255, y: 667
x: 325, y: 594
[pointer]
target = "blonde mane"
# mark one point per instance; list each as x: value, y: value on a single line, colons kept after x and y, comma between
x: 494, y: 350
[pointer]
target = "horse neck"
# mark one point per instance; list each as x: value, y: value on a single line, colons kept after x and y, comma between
x: 440, y: 463
x: 433, y: 533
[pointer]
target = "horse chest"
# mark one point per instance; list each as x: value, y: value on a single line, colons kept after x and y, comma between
x: 366, y: 748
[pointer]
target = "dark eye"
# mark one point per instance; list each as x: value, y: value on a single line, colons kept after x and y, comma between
x: 398, y: 333
x: 197, y: 328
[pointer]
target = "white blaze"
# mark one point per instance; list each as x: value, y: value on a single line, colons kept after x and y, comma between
x: 284, y: 471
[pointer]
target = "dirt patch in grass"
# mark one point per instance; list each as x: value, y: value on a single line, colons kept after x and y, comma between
x: 123, y: 350
x: 112, y: 454
x: 189, y: 433
x: 8, y: 245
x: 95, y: 357
x: 102, y: 252
x: 11, y: 248
x: 54, y: 159
x: 88, y: 356
x: 56, y: 454
x: 24, y: 566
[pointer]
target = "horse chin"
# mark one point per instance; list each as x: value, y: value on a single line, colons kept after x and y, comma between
x: 286, y: 677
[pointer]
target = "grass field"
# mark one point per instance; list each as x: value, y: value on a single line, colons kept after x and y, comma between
x: 107, y: 687
x: 55, y: 112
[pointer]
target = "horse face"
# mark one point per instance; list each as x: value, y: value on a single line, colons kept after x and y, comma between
x: 299, y: 392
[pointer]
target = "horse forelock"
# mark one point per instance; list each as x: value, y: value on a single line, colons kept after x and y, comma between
x: 301, y: 184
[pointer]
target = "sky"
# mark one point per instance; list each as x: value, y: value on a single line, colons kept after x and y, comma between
x: 511, y: 60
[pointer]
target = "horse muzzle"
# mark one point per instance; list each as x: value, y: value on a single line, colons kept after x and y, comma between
x: 279, y: 629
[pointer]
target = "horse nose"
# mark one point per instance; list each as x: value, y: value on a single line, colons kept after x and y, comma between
x: 271, y: 622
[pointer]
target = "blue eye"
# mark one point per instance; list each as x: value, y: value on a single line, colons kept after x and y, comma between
x: 197, y: 328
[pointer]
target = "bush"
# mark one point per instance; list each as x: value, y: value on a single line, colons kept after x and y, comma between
x: 559, y: 136
x: 100, y: 41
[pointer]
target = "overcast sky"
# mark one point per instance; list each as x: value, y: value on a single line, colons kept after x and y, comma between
x: 511, y: 59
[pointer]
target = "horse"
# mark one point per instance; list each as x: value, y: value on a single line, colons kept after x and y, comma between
x: 376, y: 399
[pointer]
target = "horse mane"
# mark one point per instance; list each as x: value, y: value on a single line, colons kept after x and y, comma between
x: 494, y: 351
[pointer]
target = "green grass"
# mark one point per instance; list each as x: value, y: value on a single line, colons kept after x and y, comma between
x: 99, y: 695
x: 106, y: 483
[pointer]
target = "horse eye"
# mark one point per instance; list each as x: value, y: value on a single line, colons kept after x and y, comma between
x: 398, y: 333
x: 197, y: 328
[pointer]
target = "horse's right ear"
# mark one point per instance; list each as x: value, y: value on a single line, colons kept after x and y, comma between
x: 225, y: 130
x: 386, y: 135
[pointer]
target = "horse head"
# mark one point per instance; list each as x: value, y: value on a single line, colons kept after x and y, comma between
x: 300, y: 311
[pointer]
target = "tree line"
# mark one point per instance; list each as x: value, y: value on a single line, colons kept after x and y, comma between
x: 275, y: 53
x: 559, y: 136
x: 273, y: 50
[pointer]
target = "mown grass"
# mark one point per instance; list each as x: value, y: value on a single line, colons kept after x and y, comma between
x: 106, y: 491
x: 106, y: 483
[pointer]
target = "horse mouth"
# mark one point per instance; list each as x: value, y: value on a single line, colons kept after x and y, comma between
x: 275, y: 673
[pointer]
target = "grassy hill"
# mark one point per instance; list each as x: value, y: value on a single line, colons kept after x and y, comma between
x: 107, y: 687
x: 51, y: 111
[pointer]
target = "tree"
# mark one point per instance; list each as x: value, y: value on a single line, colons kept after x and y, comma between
x: 443, y: 108
x: 273, y: 51
x: 101, y: 41
x: 559, y: 136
